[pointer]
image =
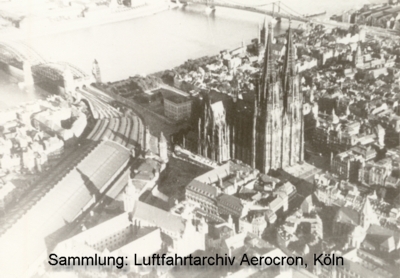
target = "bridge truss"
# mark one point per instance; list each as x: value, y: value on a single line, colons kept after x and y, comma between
x: 19, y: 52
x: 276, y: 9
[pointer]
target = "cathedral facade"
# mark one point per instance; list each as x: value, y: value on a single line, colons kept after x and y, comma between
x: 268, y: 134
x: 213, y: 133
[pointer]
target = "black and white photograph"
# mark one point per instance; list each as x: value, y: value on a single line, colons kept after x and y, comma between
x: 199, y: 138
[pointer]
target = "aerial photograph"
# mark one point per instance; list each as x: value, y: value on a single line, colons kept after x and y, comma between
x: 199, y: 138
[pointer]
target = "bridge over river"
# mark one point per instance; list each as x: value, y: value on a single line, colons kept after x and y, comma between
x: 275, y: 9
x: 279, y: 10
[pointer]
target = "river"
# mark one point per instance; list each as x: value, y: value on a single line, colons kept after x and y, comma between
x: 164, y: 40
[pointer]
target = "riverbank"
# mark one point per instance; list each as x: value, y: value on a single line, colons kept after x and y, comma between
x: 36, y: 31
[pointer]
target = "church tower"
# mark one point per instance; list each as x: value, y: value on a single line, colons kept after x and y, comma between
x: 358, y: 57
x: 277, y: 135
x: 96, y: 71
x: 267, y: 114
x: 292, y: 122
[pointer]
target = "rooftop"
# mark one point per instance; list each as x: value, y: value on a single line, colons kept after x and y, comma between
x: 348, y: 216
x: 202, y: 188
x: 61, y: 205
x: 172, y: 96
x: 160, y: 218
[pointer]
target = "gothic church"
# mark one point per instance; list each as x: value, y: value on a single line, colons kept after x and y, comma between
x: 269, y: 134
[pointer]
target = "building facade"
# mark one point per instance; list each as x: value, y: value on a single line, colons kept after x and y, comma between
x: 177, y: 108
x: 213, y: 134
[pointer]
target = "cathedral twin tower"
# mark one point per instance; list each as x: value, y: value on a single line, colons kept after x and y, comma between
x: 278, y: 125
x: 269, y: 136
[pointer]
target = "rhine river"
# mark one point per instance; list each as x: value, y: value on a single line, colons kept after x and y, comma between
x: 161, y: 41
x: 166, y: 39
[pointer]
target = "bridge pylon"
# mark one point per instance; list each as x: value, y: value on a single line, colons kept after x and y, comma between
x: 278, y: 3
x: 210, y: 6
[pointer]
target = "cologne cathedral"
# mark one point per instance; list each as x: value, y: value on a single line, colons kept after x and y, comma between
x: 266, y: 131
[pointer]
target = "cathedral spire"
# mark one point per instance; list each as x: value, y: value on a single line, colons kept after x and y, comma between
x: 254, y: 131
x: 290, y: 86
x: 289, y: 62
x: 268, y: 74
x: 264, y: 32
